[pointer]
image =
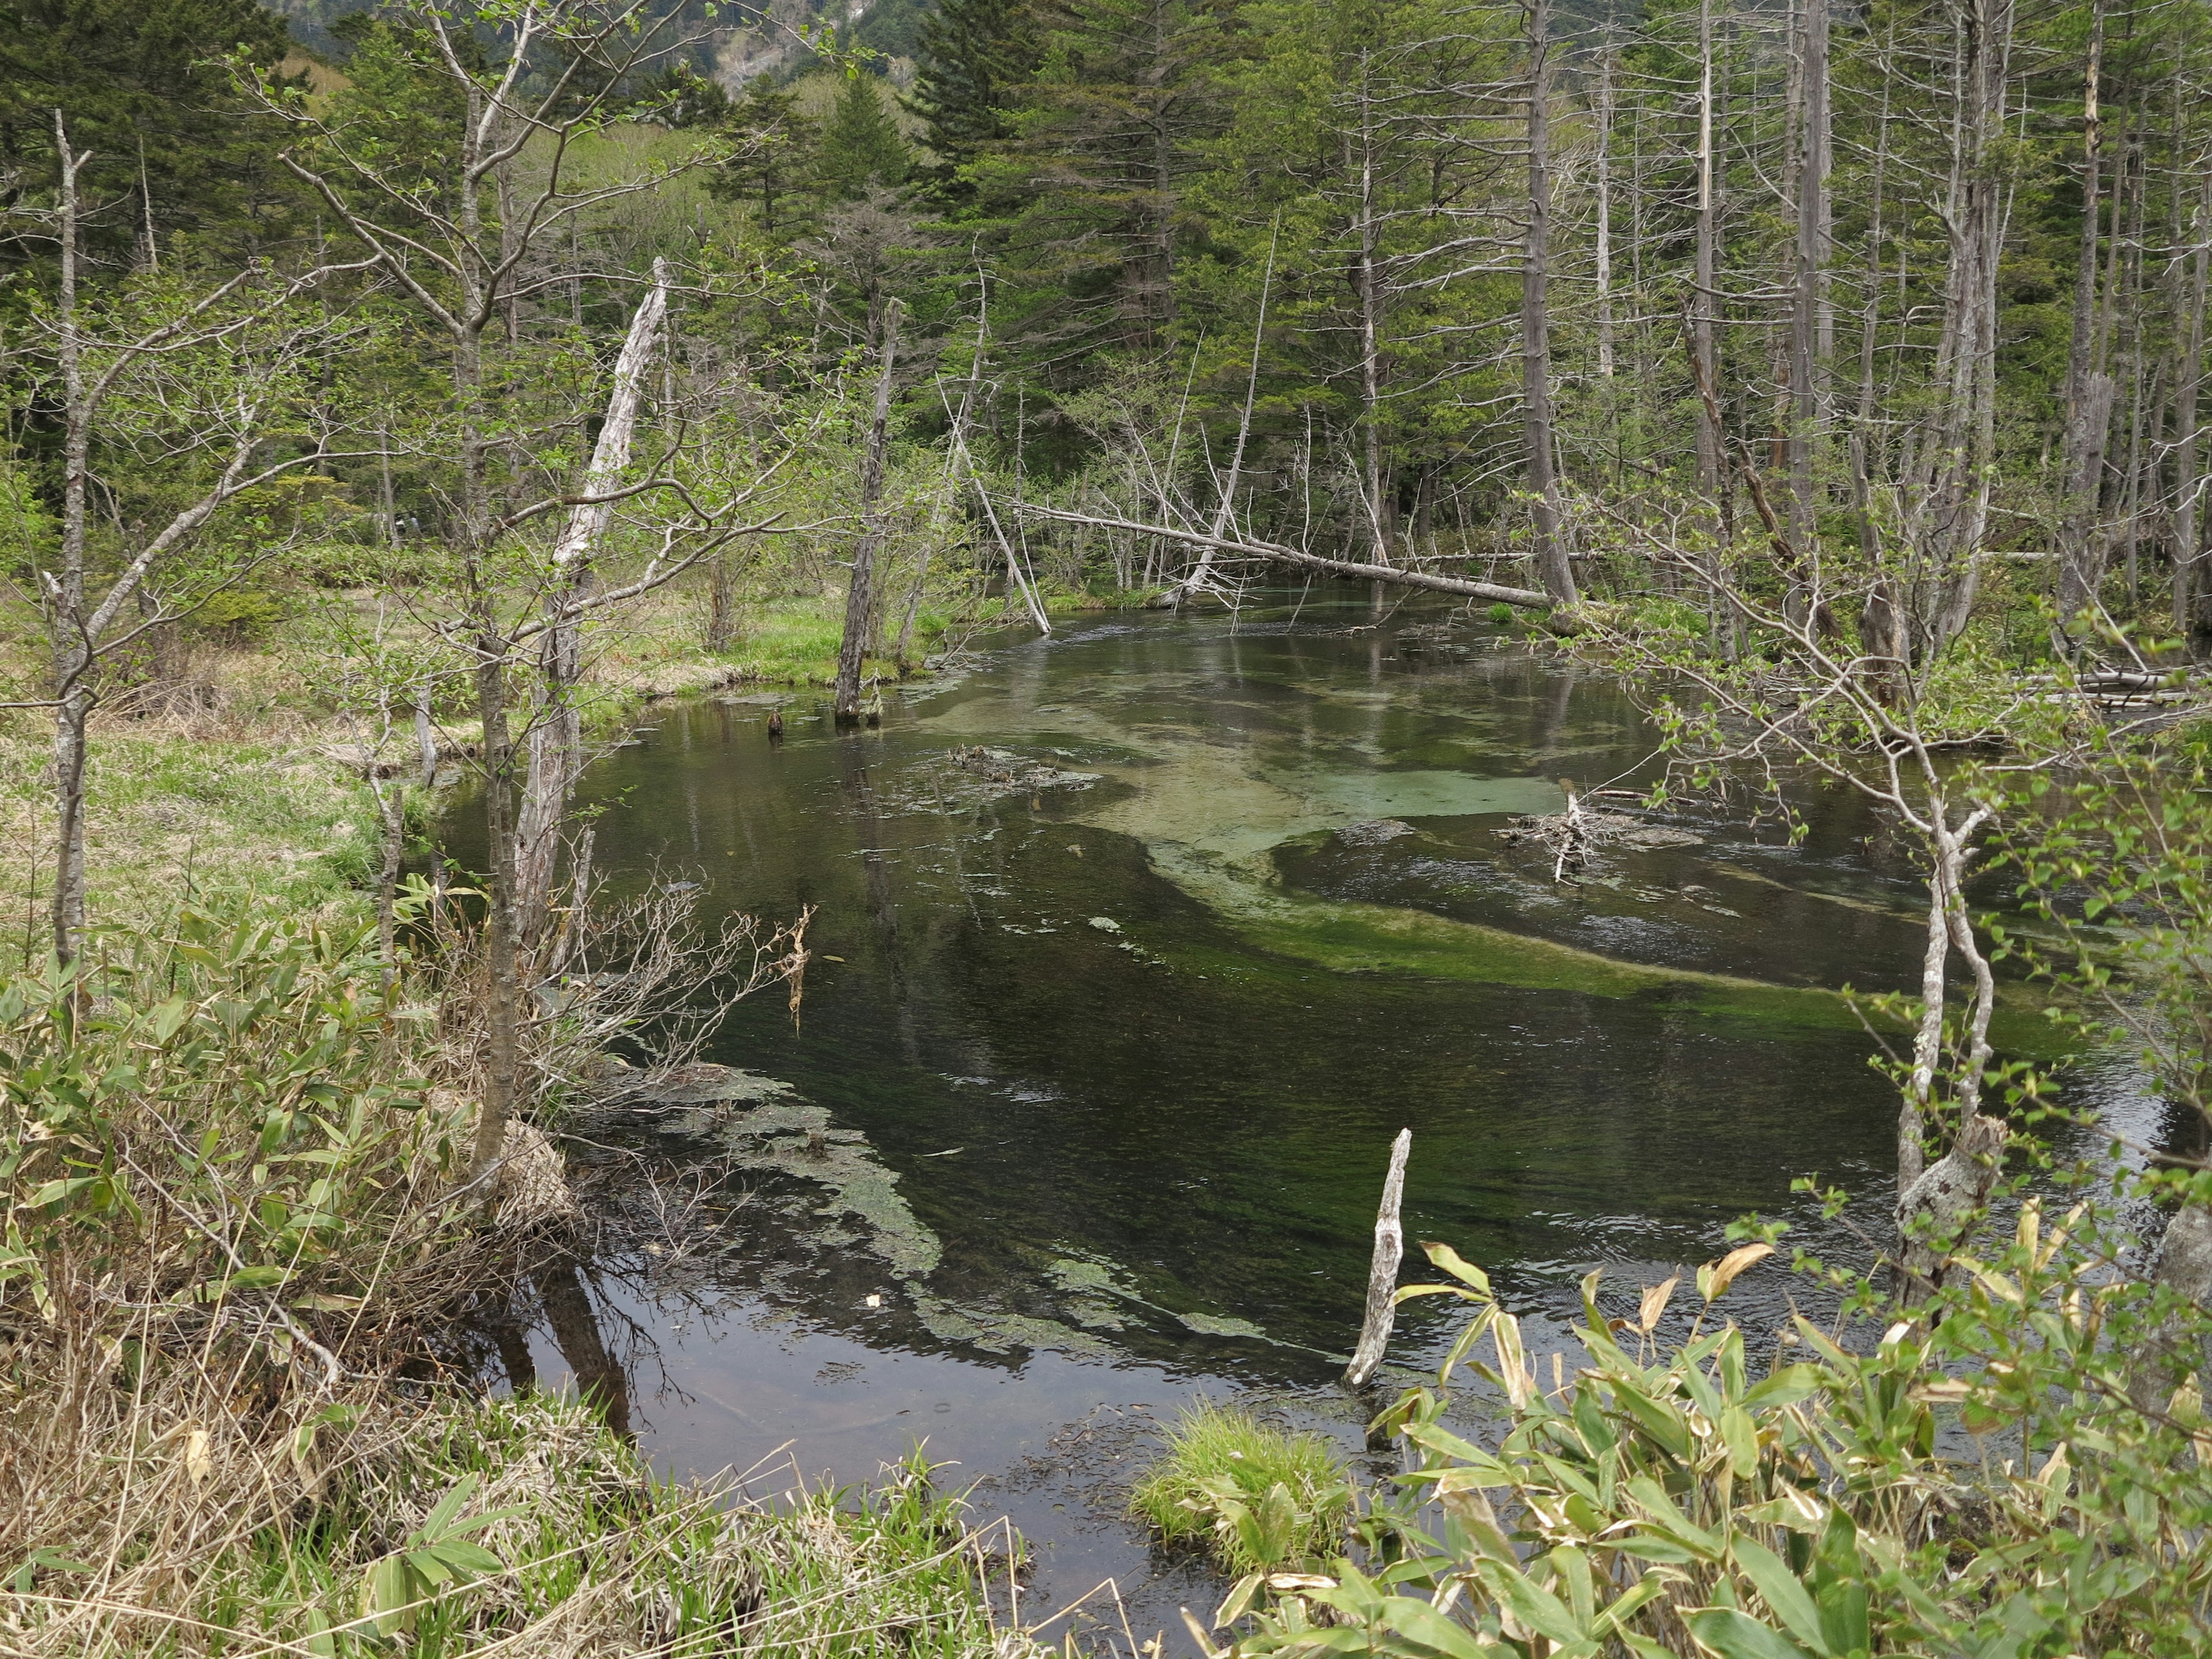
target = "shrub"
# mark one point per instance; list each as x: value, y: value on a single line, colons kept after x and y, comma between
x: 1686, y: 1504
x: 1260, y: 1498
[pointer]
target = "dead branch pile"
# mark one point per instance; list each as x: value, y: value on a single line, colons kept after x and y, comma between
x: 1575, y: 835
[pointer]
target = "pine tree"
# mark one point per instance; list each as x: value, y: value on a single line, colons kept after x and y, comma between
x: 974, y: 56
x: 862, y: 149
x: 142, y: 85
x: 775, y: 151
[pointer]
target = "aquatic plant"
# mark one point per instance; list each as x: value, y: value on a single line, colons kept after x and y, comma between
x: 1259, y: 1496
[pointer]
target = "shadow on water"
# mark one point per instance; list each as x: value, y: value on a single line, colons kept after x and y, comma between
x: 1135, y: 946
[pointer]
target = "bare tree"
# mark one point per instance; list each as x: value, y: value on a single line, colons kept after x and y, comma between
x: 1553, y: 568
x: 217, y: 375
x: 468, y: 256
x: 859, y: 592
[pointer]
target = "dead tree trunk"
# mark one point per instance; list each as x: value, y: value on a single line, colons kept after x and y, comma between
x: 2089, y: 396
x: 1937, y: 1202
x: 2188, y: 477
x: 1201, y: 573
x: 502, y: 968
x: 1553, y: 568
x: 1702, y: 344
x: 1273, y: 553
x: 1604, y: 102
x: 1812, y: 261
x: 557, y: 739
x: 859, y: 594
x: 1383, y: 1271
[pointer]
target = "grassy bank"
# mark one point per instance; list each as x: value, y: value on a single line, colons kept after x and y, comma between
x: 237, y: 1243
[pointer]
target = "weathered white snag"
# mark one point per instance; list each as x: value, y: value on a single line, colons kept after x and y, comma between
x: 1383, y: 1275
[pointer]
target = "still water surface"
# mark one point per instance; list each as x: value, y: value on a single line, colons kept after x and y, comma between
x: 1109, y: 1031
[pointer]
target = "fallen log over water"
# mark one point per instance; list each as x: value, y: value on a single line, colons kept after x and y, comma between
x: 1275, y: 553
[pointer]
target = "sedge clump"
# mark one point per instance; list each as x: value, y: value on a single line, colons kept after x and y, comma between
x: 1259, y: 1498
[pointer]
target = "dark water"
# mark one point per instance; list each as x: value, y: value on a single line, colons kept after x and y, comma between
x: 1107, y: 1070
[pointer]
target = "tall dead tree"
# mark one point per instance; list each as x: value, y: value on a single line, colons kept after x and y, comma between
x: 1947, y: 491
x: 1703, y: 343
x: 859, y: 592
x: 1809, y: 300
x: 556, y: 737
x: 1603, y: 104
x: 2087, y: 405
x: 1553, y: 568
x: 2189, y: 480
x: 1379, y: 512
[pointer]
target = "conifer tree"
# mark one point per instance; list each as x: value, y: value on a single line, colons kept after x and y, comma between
x: 975, y: 55
x: 774, y: 154
x: 862, y: 149
x: 141, y: 87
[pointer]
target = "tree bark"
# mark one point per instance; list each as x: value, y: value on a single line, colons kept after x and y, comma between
x: 860, y: 598
x: 1809, y: 297
x: 1604, y: 101
x: 65, y: 593
x: 1701, y: 326
x: 1273, y: 553
x: 502, y: 968
x: 1379, y: 512
x: 2188, y: 481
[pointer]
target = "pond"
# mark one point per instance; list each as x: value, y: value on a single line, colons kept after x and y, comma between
x: 1136, y: 945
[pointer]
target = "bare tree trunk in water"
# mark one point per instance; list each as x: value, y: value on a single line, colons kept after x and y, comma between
x: 557, y: 738
x: 1383, y: 1271
x: 859, y: 594
x: 1553, y: 568
x: 2089, y: 396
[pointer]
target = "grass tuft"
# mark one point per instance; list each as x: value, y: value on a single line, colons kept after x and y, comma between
x: 1259, y: 1497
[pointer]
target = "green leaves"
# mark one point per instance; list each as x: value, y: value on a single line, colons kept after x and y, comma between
x: 1733, y: 1635
x: 439, y: 1556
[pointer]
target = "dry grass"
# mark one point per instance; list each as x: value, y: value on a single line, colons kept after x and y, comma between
x: 173, y: 1522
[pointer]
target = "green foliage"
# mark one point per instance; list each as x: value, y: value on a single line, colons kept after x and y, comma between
x: 1260, y: 1498
x: 861, y: 147
x: 241, y: 1072
x: 1800, y: 1514
x: 973, y: 55
x: 773, y: 157
x: 142, y: 86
